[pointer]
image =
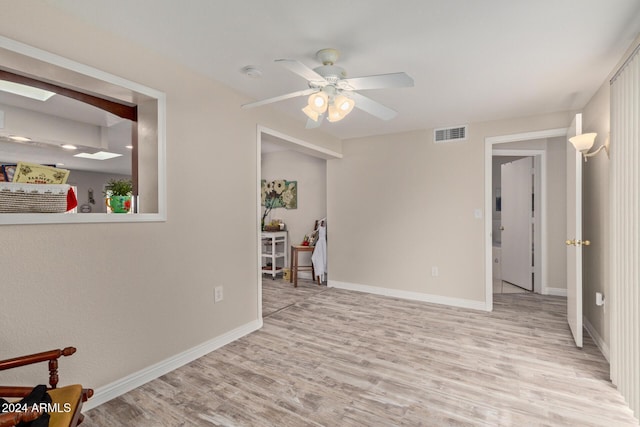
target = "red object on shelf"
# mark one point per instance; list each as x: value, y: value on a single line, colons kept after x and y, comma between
x: 72, y: 201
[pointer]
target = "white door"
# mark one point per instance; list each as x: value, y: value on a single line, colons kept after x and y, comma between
x: 574, y: 233
x: 516, y: 219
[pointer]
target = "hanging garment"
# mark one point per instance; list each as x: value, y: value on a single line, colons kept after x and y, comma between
x: 319, y: 256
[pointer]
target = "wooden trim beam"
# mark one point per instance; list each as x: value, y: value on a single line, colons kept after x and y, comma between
x: 119, y: 109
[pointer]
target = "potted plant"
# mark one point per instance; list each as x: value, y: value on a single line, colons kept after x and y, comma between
x: 118, y: 195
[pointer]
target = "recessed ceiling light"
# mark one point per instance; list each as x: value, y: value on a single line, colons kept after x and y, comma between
x: 100, y: 155
x: 59, y: 164
x: 69, y: 147
x: 26, y: 91
x: 130, y: 147
x: 19, y: 138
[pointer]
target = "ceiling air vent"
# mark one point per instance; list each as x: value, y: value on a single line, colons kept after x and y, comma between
x: 456, y: 133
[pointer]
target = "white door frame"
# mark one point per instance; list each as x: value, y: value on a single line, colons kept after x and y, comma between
x: 294, y: 144
x: 489, y: 143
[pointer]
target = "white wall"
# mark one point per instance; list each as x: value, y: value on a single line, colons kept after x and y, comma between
x: 311, y: 174
x: 130, y: 295
x: 400, y: 204
x: 595, y: 216
x: 556, y: 213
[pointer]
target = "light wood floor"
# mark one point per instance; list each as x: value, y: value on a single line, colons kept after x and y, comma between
x: 278, y: 294
x: 328, y: 357
x: 501, y: 287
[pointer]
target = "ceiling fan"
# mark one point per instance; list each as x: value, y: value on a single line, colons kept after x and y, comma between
x: 332, y: 94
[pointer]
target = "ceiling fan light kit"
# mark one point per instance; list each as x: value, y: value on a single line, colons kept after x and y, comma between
x: 334, y: 114
x: 332, y: 94
x: 311, y: 113
x: 337, y: 106
x: 344, y: 104
x: 318, y: 102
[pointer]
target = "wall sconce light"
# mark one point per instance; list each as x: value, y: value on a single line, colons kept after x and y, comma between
x: 584, y: 142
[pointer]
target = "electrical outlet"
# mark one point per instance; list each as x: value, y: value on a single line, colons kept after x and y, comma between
x: 434, y: 272
x: 218, y: 294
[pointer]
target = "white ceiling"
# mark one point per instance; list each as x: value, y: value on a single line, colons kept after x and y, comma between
x: 472, y: 60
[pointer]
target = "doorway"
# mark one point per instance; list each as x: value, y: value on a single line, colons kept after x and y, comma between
x: 281, y: 157
x: 497, y: 144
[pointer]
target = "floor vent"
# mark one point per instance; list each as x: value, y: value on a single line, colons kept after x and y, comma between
x: 456, y: 133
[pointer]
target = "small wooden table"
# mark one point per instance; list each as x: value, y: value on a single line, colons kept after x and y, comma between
x: 295, y: 264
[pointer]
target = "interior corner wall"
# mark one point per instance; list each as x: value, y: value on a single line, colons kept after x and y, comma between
x: 595, y: 214
x: 311, y: 175
x: 400, y: 204
x: 556, y: 213
x: 133, y: 295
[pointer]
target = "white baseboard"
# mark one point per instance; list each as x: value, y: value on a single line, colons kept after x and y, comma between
x: 604, y: 348
x: 558, y: 292
x: 416, y: 296
x: 110, y: 391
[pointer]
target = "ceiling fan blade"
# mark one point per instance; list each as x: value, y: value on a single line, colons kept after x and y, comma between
x: 300, y: 69
x: 312, y: 124
x: 280, y: 98
x: 372, y: 107
x: 380, y: 81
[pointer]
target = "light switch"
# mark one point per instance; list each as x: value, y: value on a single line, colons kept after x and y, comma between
x: 477, y: 213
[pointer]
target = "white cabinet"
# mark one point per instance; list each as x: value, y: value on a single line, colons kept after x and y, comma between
x: 275, y: 255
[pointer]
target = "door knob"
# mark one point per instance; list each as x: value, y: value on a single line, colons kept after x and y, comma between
x: 577, y: 242
x: 501, y: 228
